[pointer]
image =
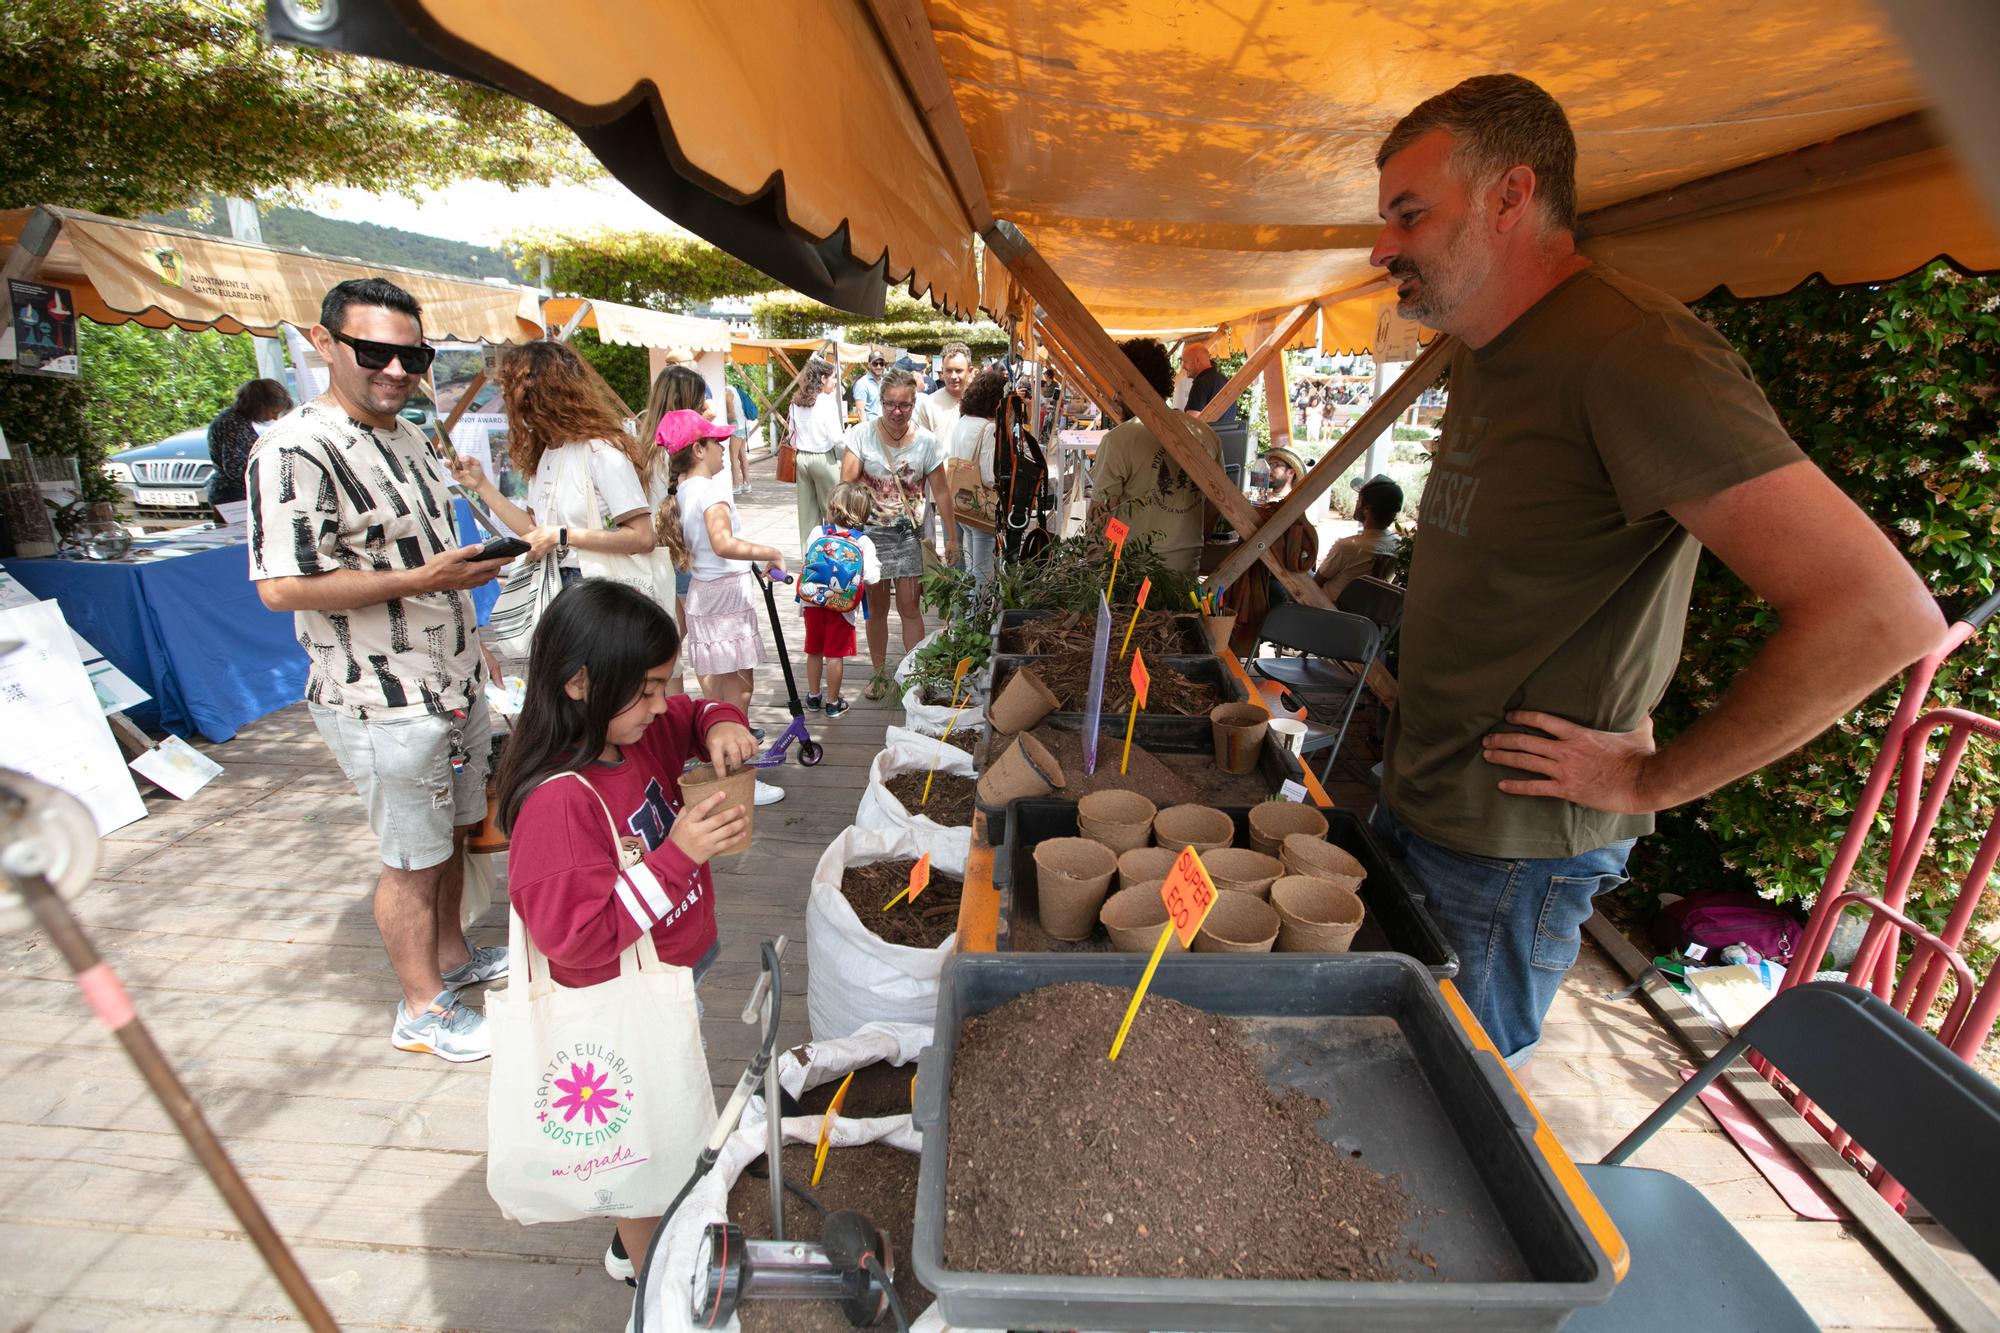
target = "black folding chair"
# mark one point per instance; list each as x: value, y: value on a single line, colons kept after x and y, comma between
x: 1931, y: 1119
x: 1320, y: 680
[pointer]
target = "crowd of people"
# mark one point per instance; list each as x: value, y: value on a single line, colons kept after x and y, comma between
x: 1600, y: 435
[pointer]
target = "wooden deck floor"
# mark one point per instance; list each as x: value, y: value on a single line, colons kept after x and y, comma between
x: 240, y: 922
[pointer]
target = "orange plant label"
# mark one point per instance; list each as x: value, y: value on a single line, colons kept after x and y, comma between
x: 1189, y: 894
x: 1115, y: 531
x: 958, y: 672
x: 1142, y: 679
x: 1145, y: 587
x: 920, y: 876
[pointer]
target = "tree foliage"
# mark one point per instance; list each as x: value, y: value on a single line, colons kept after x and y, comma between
x: 126, y: 106
x: 1892, y: 390
x: 367, y: 241
x: 628, y: 370
x: 907, y: 323
x: 643, y: 268
x: 146, y: 384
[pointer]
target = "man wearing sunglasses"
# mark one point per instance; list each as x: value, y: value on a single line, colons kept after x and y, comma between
x: 350, y: 530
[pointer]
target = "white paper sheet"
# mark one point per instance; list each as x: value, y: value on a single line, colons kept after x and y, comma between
x: 176, y: 767
x: 54, y: 726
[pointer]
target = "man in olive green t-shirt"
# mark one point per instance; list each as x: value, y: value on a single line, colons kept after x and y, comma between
x: 1598, y: 436
x: 1135, y: 480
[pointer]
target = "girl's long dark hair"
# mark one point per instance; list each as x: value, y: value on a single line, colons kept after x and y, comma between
x: 612, y: 632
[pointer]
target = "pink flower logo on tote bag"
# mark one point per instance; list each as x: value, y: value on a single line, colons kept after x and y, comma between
x: 584, y: 1093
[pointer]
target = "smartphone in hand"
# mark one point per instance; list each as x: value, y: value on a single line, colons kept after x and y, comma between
x: 502, y: 548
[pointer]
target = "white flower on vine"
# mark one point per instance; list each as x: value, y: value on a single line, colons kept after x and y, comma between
x: 1990, y: 304
x: 1840, y: 412
x: 1942, y: 399
x: 1699, y: 822
x: 1929, y: 428
x: 1889, y: 379
x: 1815, y: 769
x: 1976, y: 460
x: 1910, y: 527
x: 1916, y: 467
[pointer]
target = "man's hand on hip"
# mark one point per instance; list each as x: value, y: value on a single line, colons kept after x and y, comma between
x: 1600, y: 770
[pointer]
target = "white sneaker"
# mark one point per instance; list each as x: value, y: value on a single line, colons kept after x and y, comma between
x: 447, y: 1028
x: 769, y: 795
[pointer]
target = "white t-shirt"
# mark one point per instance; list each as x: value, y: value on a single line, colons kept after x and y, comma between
x: 817, y: 429
x: 698, y: 495
x: 558, y: 496
x: 974, y: 438
x: 896, y: 477
x: 937, y: 413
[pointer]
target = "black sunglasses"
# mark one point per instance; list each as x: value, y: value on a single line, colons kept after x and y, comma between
x: 374, y: 356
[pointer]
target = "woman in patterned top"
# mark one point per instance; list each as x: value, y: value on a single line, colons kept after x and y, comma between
x: 233, y: 434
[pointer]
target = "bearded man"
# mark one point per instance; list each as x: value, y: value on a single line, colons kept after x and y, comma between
x: 1598, y: 436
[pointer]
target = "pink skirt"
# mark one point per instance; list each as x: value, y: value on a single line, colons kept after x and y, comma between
x: 724, y: 631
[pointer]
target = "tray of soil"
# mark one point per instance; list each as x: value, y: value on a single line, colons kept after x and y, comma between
x: 1173, y: 763
x: 924, y: 924
x: 1284, y: 1143
x: 1395, y: 922
x: 1159, y: 633
x: 951, y: 797
x: 875, y: 1180
x: 1185, y: 687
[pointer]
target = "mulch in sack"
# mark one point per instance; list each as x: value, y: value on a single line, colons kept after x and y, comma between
x: 818, y: 1064
x: 880, y: 809
x: 853, y: 976
x: 932, y: 719
x: 670, y: 1276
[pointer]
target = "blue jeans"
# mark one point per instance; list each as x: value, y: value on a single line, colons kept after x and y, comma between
x: 1517, y: 925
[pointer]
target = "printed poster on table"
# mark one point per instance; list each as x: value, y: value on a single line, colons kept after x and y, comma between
x: 43, y: 324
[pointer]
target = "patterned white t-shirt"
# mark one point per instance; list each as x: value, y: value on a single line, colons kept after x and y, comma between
x: 328, y: 492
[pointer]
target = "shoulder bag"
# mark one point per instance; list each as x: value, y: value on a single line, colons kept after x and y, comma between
x: 600, y: 1099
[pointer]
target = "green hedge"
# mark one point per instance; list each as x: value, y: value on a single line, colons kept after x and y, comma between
x: 1892, y: 390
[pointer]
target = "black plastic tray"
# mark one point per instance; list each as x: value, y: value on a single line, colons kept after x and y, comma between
x: 1194, y: 630
x: 1396, y: 921
x: 1406, y: 1091
x: 1207, y: 670
x: 1162, y: 735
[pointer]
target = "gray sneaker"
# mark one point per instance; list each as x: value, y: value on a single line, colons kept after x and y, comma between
x: 446, y: 1029
x: 487, y: 964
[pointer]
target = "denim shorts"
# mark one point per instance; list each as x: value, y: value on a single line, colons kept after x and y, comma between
x: 1517, y: 924
x: 402, y: 768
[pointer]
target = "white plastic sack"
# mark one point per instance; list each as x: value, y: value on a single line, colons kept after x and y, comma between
x: 932, y: 719
x: 670, y: 1277
x: 485, y: 873
x: 853, y: 976
x: 806, y: 1067
x: 880, y: 809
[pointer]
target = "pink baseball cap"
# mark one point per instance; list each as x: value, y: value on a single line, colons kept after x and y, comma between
x: 681, y: 428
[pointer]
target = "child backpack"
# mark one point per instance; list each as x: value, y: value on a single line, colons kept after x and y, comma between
x: 831, y: 576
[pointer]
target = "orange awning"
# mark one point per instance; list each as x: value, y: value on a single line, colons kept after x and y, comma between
x: 1193, y: 165
x: 166, y: 277
x: 636, y: 326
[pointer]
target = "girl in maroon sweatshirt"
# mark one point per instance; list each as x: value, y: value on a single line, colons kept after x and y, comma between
x: 604, y: 656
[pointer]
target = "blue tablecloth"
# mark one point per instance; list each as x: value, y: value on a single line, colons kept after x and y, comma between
x: 190, y: 631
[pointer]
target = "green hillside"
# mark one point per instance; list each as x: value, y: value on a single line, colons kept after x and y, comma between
x: 358, y: 240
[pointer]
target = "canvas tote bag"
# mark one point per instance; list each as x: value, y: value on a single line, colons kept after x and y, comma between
x: 651, y: 573
x: 600, y: 1099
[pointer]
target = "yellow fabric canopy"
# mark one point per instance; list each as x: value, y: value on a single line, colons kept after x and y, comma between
x: 636, y: 326
x: 165, y: 277
x: 1192, y: 165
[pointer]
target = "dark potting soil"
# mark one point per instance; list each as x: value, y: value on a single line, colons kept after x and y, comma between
x: 1158, y: 634
x: 1176, y: 1160
x: 879, y: 1089
x: 924, y: 924
x: 875, y: 1180
x: 1068, y: 678
x: 950, y: 802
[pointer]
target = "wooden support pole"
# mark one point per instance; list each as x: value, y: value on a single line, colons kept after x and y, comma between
x: 1381, y: 414
x: 1287, y: 329
x: 1065, y: 314
x: 1278, y: 405
x: 1102, y: 396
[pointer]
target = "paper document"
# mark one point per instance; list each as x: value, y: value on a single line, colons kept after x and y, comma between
x: 52, y: 720
x: 176, y: 767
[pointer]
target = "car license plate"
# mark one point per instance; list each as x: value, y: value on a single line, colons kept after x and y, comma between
x: 173, y: 499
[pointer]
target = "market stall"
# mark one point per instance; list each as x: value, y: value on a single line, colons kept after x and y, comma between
x: 1211, y: 172
x: 178, y: 614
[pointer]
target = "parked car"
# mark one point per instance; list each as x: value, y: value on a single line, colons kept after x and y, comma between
x: 166, y: 481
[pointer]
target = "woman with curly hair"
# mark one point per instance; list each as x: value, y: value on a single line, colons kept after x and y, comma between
x: 567, y: 436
